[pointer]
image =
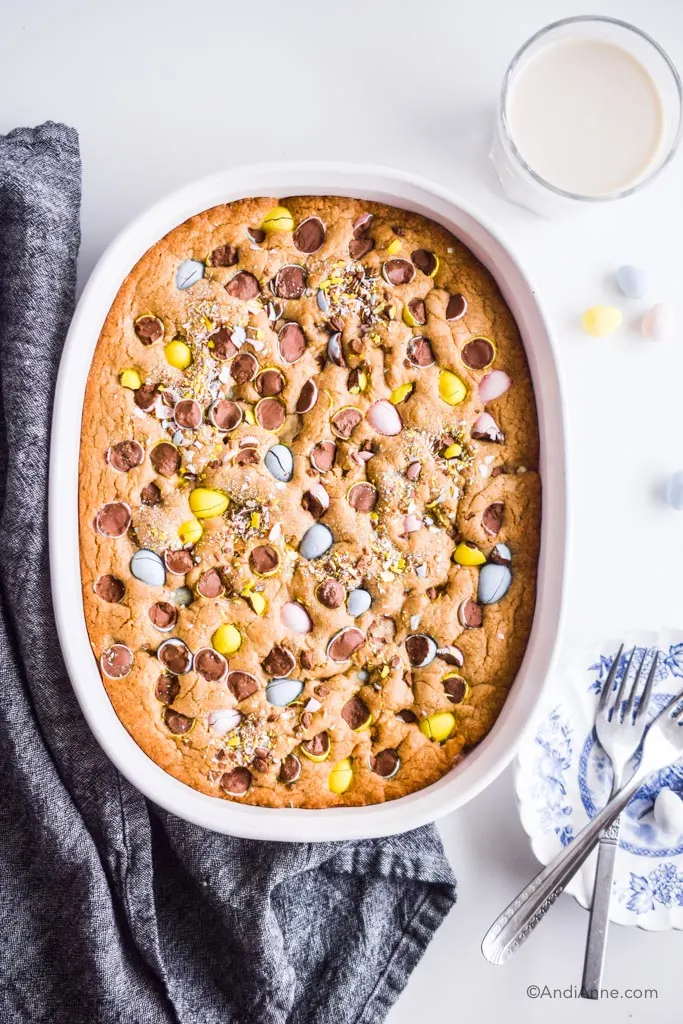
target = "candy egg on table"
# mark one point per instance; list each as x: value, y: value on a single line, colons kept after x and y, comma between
x: 674, y: 490
x: 148, y: 567
x: 341, y: 777
x: 658, y: 322
x: 632, y: 281
x: 668, y: 812
x: 600, y: 321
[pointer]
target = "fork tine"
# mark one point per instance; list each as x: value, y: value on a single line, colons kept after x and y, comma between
x: 616, y: 703
x: 647, y: 692
x: 634, y: 689
x: 672, y: 705
x: 609, y: 682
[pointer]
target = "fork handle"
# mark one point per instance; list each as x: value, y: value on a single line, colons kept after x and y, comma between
x: 519, y: 919
x: 599, y: 915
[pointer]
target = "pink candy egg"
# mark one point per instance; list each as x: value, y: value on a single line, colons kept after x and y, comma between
x: 493, y: 385
x: 383, y: 417
x: 295, y: 617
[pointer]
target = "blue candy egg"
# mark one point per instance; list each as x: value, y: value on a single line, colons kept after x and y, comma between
x: 494, y: 582
x: 674, y: 491
x: 188, y: 273
x: 282, y: 692
x: 632, y: 281
x: 279, y: 462
x: 358, y: 602
x: 323, y: 304
x: 147, y: 567
x: 334, y: 349
x: 316, y: 541
x: 182, y: 596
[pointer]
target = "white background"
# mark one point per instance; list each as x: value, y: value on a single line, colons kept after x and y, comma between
x: 165, y: 92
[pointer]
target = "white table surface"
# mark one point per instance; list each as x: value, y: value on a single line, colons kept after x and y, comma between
x: 164, y: 92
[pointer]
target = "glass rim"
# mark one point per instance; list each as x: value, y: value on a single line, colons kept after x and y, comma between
x: 507, y: 132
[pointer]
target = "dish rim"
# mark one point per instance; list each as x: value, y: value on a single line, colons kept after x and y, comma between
x: 488, y: 759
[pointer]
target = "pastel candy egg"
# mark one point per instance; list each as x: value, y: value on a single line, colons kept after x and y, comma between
x: 657, y: 324
x: 411, y: 524
x: 438, y: 727
x: 182, y: 596
x: 281, y: 692
x: 452, y: 390
x: 279, y: 462
x: 401, y: 393
x: 178, y: 353
x: 316, y: 541
x: 384, y: 418
x: 130, y: 379
x: 494, y: 582
x: 188, y: 273
x: 227, y: 639
x: 358, y: 602
x: 295, y: 617
x: 277, y: 219
x: 190, y: 532
x: 206, y: 503
x: 599, y: 321
x: 632, y: 281
x: 147, y: 567
x: 323, y: 304
x: 668, y: 812
x: 341, y: 777
x: 467, y: 553
x: 493, y: 385
x: 223, y: 721
x: 674, y: 491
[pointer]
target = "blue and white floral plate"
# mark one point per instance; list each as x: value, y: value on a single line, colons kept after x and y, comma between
x: 563, y: 778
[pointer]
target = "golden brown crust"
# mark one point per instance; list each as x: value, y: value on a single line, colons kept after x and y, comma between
x: 443, y: 506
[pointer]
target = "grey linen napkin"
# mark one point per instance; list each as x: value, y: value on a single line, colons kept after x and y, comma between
x: 112, y: 910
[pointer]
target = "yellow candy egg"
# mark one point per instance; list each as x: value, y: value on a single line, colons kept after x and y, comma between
x: 278, y: 219
x: 130, y: 379
x: 227, y: 639
x: 190, y: 532
x: 599, y: 321
x: 468, y: 554
x: 437, y: 264
x: 408, y: 317
x: 438, y: 727
x: 257, y: 601
x: 206, y: 503
x: 340, y: 777
x: 452, y: 451
x: 249, y: 415
x: 401, y: 393
x: 451, y: 388
x: 178, y: 353
x: 394, y: 247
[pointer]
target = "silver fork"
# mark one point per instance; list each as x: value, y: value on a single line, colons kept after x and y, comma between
x: 663, y: 744
x: 619, y: 725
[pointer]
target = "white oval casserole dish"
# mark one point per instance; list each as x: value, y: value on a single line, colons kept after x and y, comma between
x: 488, y: 759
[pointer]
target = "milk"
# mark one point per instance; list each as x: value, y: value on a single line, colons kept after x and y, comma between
x: 586, y: 116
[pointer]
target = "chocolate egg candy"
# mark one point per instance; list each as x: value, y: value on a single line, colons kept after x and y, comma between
x: 493, y: 385
x: 362, y: 496
x: 599, y: 321
x: 237, y: 782
x: 485, y: 428
x: 384, y: 418
x: 223, y: 721
x: 330, y: 593
x: 291, y: 342
x: 317, y: 748
x: 295, y: 617
x: 668, y: 812
x: 323, y: 303
x: 674, y: 491
x: 452, y: 389
x: 456, y: 688
x: 279, y: 662
x: 117, y: 661
x: 343, y: 644
x: 290, y: 281
x: 467, y: 553
x: 281, y: 692
x: 242, y: 684
x: 452, y: 655
x: 182, y: 596
x: 316, y: 500
x: 309, y: 235
x: 190, y: 532
x: 438, y: 727
x: 334, y: 349
x: 421, y: 649
x: 415, y: 313
x: 210, y: 665
x: 386, y: 763
x: 270, y: 382
x: 279, y: 462
x: 207, y: 503
x: 657, y: 324
x: 456, y: 307
x: 501, y: 555
x: 308, y: 396
x: 492, y: 518
x: 188, y: 273
x: 316, y: 541
x: 426, y: 261
x: 356, y: 714
x: 345, y: 421
x: 632, y: 281
x: 225, y: 415
x: 478, y: 353
x: 175, y: 655
x: 470, y: 614
x: 402, y: 393
x: 242, y: 286
x: 323, y: 456
x: 358, y: 602
x: 341, y: 777
x: 290, y: 770
x: 494, y: 582
x: 149, y: 328
x: 188, y: 414
x: 277, y: 219
x: 224, y: 256
x: 147, y: 567
x: 270, y: 414
x: 264, y: 560
x: 398, y: 271
x: 125, y: 455
x: 109, y: 588
x: 113, y: 519
x: 178, y: 723
x: 227, y: 639
x: 163, y: 616
x: 130, y: 378
x: 420, y: 353
x: 178, y: 354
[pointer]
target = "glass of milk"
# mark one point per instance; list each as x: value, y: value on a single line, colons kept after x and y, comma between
x: 590, y: 110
